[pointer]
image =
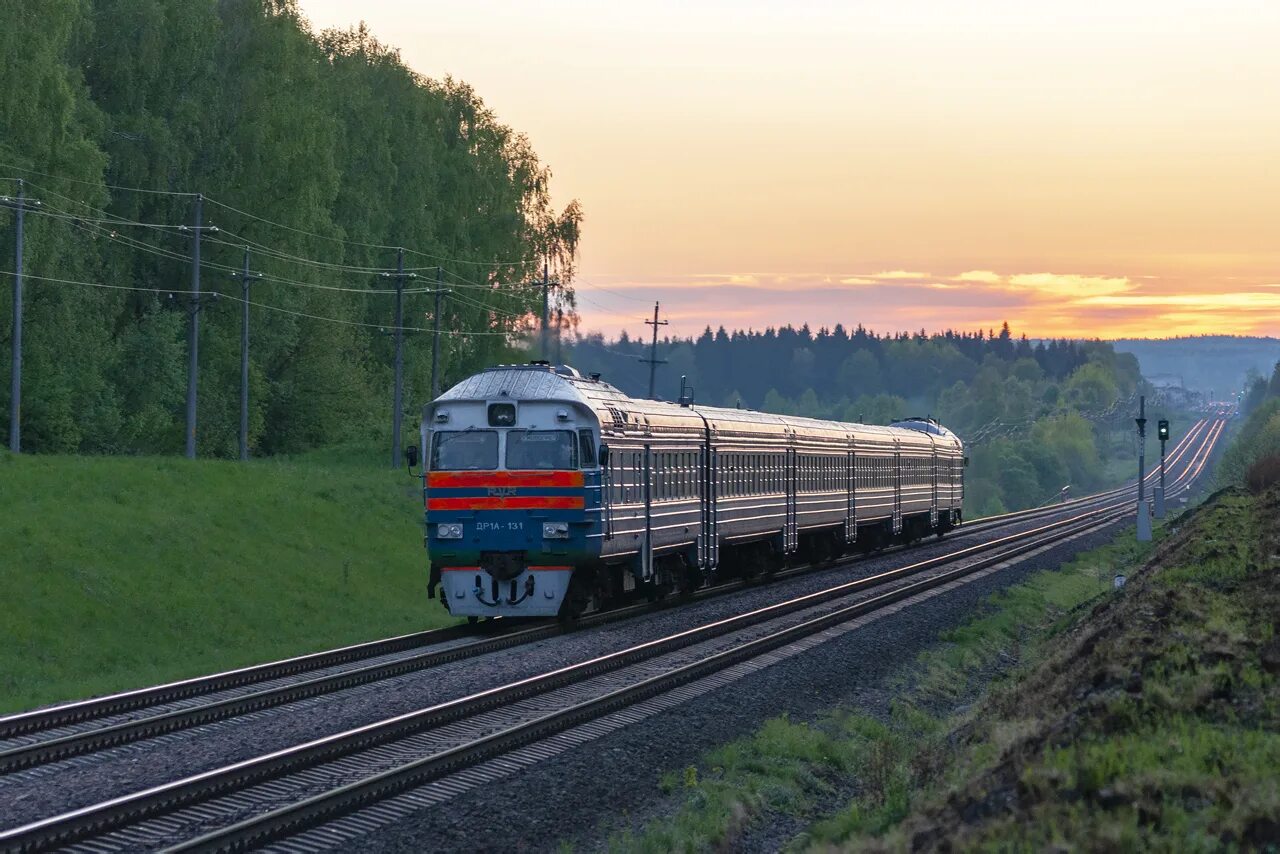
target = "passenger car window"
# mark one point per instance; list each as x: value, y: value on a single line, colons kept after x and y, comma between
x: 464, y: 450
x: 541, y: 450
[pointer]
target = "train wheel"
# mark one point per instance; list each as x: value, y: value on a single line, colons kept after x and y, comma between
x: 576, y: 599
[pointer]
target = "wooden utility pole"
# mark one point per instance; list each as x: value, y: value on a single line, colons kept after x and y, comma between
x: 653, y: 359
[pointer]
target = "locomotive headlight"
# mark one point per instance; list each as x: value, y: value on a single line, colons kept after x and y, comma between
x: 555, y: 530
x: 449, y: 531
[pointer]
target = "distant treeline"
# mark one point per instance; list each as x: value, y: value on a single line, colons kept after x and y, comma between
x: 321, y: 153
x: 1037, y: 416
x: 1221, y: 363
x: 833, y: 369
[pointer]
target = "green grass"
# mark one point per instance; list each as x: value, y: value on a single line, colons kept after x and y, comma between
x: 1148, y: 722
x: 1174, y: 745
x: 123, y: 572
x: 787, y: 767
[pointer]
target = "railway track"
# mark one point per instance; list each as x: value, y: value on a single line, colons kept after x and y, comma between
x: 75, y: 729
x: 351, y: 775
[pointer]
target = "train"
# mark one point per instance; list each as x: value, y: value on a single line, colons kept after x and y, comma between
x: 549, y: 492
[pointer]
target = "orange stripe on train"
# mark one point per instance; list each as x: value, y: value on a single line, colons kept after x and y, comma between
x: 515, y: 502
x: 440, y: 479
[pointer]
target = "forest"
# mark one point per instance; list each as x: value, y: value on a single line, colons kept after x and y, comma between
x: 1036, y: 416
x: 1254, y: 456
x: 312, y: 158
x: 320, y: 154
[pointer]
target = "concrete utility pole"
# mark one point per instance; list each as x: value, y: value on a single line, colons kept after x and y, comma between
x: 546, y: 305
x: 1144, y: 510
x: 547, y: 285
x: 653, y: 359
x: 19, y: 206
x: 435, y: 335
x: 245, y: 278
x: 559, y: 341
x: 397, y: 393
x: 193, y: 324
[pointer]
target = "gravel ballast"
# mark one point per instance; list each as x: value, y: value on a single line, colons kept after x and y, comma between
x: 587, y: 792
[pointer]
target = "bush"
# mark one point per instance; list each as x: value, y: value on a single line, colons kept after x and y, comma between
x: 1264, y: 473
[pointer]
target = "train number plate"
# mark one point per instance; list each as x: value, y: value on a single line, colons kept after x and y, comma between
x: 500, y: 526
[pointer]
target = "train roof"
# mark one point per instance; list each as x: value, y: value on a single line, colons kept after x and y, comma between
x: 620, y: 414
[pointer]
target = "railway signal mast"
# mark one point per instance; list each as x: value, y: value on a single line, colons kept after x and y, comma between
x: 1162, y: 433
x: 1144, y: 510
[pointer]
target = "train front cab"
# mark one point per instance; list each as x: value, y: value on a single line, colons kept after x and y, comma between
x: 511, y: 490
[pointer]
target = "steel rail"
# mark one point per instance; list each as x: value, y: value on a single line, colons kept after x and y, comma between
x: 97, y: 819
x: 1178, y: 450
x: 114, y: 735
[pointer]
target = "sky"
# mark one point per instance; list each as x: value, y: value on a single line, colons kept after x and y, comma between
x: 1099, y: 169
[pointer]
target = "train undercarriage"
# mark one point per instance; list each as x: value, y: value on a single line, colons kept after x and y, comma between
x: 608, y: 586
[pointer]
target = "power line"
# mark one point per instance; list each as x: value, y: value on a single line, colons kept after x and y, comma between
x: 99, y: 184
x: 86, y: 225
x: 97, y: 226
x: 91, y: 225
x: 57, y: 213
x: 346, y: 242
x: 581, y: 281
x: 266, y: 306
x: 270, y: 222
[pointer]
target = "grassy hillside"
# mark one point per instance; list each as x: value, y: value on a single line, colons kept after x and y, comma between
x: 1133, y: 721
x: 122, y: 572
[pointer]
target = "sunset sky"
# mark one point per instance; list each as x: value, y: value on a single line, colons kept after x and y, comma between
x: 1076, y: 168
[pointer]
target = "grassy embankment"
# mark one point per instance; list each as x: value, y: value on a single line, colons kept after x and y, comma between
x: 123, y: 572
x: 1144, y: 719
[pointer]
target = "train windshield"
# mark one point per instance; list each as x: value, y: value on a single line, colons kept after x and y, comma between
x: 465, y: 450
x: 541, y: 449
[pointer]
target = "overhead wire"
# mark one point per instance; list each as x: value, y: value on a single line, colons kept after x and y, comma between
x: 105, y: 225
x: 346, y: 242
x: 266, y: 306
x: 96, y: 183
x: 89, y: 225
x: 265, y: 220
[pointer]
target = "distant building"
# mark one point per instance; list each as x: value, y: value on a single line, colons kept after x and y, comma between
x: 1171, y: 391
x: 1165, y: 381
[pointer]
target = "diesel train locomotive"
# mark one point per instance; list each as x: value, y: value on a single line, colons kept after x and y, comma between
x: 548, y: 492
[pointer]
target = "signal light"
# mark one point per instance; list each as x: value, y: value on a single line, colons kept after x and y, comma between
x: 502, y: 414
x: 1162, y: 430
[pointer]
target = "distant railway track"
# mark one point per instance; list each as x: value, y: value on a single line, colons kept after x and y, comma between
x: 75, y: 729
x: 280, y: 795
